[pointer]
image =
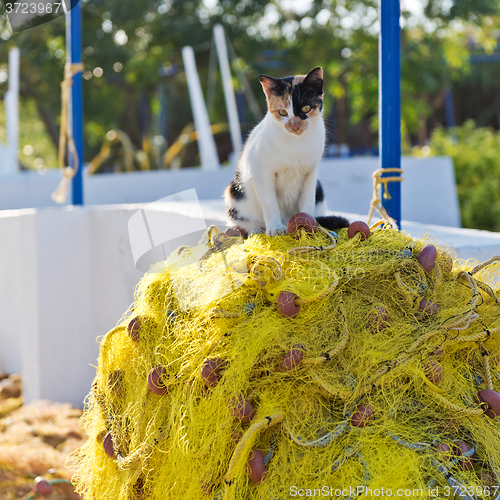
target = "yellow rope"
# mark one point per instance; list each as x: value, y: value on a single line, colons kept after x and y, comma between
x: 331, y: 246
x: 486, y: 363
x: 125, y: 463
x: 478, y: 337
x: 329, y: 355
x: 266, y: 261
x: 473, y: 286
x: 419, y: 373
x: 464, y: 322
x: 487, y: 289
x: 66, y: 134
x: 340, y: 393
x: 486, y: 263
x: 245, y: 444
x: 376, y: 202
x: 453, y: 406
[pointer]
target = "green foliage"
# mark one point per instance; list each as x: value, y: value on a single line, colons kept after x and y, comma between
x: 36, y: 150
x: 476, y: 158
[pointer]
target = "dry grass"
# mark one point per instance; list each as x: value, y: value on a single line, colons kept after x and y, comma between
x: 35, y: 440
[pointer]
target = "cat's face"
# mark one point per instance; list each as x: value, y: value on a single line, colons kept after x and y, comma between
x: 295, y: 101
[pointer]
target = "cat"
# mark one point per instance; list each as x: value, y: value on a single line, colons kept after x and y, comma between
x: 276, y: 176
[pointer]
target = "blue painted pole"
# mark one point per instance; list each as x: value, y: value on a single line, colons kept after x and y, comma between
x: 390, y: 101
x: 74, y: 50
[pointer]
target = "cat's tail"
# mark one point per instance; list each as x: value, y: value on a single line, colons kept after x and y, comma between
x: 332, y: 222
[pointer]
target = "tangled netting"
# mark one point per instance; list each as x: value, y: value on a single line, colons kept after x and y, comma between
x: 261, y: 368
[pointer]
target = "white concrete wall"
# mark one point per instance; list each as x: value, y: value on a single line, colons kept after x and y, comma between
x: 18, y: 284
x: 67, y: 275
x: 428, y: 189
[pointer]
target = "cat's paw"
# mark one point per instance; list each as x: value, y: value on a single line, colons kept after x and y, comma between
x: 255, y: 230
x: 276, y: 230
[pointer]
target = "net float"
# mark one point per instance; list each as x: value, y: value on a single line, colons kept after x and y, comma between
x: 138, y: 492
x: 236, y: 435
x: 378, y: 318
x: 301, y: 221
x: 207, y: 488
x: 404, y: 254
x: 446, y: 262
x: 242, y: 409
x: 427, y: 257
x: 210, y: 370
x: 139, y: 322
x: 42, y: 486
x: 444, y: 451
x: 249, y: 308
x: 492, y: 399
x: 233, y: 232
x: 256, y: 468
x: 108, y: 446
x: 156, y: 379
x: 462, y: 447
x: 293, y: 357
x: 358, y: 227
x: 242, y: 232
x: 286, y: 304
x: 363, y: 415
x: 438, y: 351
x: 115, y: 383
x: 133, y: 328
x: 428, y: 307
x: 451, y: 425
x: 433, y: 371
x: 487, y: 478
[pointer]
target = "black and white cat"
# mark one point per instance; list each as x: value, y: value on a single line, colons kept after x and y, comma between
x: 276, y: 175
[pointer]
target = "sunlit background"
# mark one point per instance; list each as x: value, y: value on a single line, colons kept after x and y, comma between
x: 136, y: 99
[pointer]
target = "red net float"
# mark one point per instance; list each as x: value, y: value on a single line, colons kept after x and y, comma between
x: 427, y: 257
x: 358, y: 227
x: 293, y: 357
x: 156, y: 380
x: 301, y: 221
x: 286, y: 304
x: 256, y: 467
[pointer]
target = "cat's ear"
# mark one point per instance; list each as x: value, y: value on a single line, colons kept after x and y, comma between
x: 269, y: 84
x: 315, y: 79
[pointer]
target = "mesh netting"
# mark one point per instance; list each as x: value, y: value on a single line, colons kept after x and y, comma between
x: 245, y: 369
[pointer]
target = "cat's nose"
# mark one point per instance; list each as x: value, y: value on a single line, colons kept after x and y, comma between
x: 294, y: 125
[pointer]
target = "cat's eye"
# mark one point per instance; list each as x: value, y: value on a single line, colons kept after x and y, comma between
x: 283, y: 112
x: 306, y: 109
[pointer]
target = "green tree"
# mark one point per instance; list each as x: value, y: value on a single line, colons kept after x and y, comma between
x: 476, y: 157
x: 125, y: 44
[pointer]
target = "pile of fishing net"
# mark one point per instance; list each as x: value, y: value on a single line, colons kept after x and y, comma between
x: 266, y: 367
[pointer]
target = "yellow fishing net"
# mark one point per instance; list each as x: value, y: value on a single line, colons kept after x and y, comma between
x: 315, y: 365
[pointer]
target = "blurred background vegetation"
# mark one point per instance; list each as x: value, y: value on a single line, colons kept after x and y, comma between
x: 136, y: 103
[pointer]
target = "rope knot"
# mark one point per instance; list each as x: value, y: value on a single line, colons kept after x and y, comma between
x: 376, y: 202
x: 66, y: 135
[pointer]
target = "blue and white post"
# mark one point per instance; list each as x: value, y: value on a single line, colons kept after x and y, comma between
x: 75, y: 104
x: 390, y: 101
